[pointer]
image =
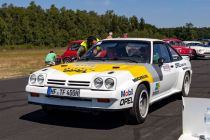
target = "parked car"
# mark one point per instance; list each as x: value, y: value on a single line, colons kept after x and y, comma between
x: 180, y: 47
x: 131, y: 74
x: 71, y: 51
x: 201, y: 49
x: 192, y: 43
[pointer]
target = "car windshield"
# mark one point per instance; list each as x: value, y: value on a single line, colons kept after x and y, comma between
x: 194, y: 44
x: 120, y: 50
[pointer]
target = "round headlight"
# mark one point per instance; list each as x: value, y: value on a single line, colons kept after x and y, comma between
x: 40, y: 79
x: 200, y: 51
x: 98, y: 82
x: 109, y: 83
x: 32, y: 79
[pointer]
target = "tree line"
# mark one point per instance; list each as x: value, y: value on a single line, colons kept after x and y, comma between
x: 55, y: 27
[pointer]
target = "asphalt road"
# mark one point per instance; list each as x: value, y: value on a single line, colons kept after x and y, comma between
x: 19, y: 120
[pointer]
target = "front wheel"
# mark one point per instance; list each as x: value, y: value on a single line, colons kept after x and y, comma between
x: 138, y: 113
x: 186, y: 84
x: 194, y: 55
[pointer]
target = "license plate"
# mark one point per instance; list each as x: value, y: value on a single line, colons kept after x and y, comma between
x: 63, y: 92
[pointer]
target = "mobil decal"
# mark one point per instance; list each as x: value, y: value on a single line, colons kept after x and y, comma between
x: 127, y: 92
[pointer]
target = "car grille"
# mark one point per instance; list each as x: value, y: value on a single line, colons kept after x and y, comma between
x: 56, y: 82
x: 70, y: 83
x: 81, y: 84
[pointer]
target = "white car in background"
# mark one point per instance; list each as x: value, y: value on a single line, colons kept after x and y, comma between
x: 201, y: 49
x: 117, y: 74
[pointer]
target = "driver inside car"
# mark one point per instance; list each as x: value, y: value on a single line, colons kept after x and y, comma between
x: 99, y: 52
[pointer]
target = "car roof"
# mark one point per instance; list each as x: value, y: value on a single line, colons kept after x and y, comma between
x: 191, y: 41
x: 139, y: 39
x: 171, y: 39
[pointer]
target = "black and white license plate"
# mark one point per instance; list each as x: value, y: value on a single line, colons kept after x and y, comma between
x: 63, y: 92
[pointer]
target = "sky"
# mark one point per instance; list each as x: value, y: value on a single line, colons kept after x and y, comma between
x: 161, y: 13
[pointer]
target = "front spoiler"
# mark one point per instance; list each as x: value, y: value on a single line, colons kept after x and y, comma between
x: 81, y: 109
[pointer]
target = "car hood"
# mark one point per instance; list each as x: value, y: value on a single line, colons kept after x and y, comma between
x: 86, y: 71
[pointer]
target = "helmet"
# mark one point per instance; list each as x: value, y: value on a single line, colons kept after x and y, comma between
x: 90, y: 40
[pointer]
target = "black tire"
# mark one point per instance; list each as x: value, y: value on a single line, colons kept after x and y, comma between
x: 67, y: 60
x: 186, y: 85
x: 195, y: 55
x: 137, y: 115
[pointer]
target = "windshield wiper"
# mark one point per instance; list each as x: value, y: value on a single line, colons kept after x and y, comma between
x: 84, y: 59
x: 109, y: 59
x: 92, y: 59
x: 125, y: 59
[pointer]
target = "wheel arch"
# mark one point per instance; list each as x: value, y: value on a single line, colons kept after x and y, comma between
x: 147, y: 84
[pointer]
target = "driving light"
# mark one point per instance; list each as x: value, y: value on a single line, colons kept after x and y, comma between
x: 98, y: 82
x: 40, y: 79
x: 32, y: 79
x: 200, y: 51
x: 109, y: 83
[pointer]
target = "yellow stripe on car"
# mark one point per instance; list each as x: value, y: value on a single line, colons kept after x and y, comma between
x: 138, y: 72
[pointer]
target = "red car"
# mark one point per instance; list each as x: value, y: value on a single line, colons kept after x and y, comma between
x: 180, y: 47
x: 71, y: 51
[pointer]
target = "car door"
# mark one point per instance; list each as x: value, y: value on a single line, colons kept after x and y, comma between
x: 73, y: 49
x: 167, y: 70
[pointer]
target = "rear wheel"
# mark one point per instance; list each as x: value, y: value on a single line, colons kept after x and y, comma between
x: 66, y: 60
x: 186, y: 84
x: 138, y: 113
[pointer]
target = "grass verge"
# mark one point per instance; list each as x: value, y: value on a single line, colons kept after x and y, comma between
x: 22, y: 62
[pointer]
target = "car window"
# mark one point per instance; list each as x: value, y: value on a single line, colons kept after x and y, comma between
x: 160, y: 50
x: 175, y: 55
x: 74, y: 47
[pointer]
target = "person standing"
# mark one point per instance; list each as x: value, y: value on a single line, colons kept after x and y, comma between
x: 109, y: 35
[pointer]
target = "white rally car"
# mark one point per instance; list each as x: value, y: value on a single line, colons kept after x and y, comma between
x: 118, y: 74
x: 201, y: 49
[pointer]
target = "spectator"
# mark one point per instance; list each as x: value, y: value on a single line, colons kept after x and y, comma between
x: 125, y: 35
x: 109, y: 35
x: 50, y: 58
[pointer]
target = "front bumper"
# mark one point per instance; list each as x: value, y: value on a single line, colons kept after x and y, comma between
x: 206, y: 55
x: 88, y: 99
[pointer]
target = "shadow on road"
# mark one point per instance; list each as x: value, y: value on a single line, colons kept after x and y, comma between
x: 77, y: 119
x: 103, y: 121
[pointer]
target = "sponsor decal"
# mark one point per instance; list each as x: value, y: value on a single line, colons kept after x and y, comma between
x: 126, y: 101
x: 166, y: 67
x: 79, y: 70
x: 140, y: 78
x: 126, y: 93
x: 83, y: 66
x: 177, y: 65
x: 157, y: 88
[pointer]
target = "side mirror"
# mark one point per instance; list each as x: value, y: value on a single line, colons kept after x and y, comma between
x: 161, y: 61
